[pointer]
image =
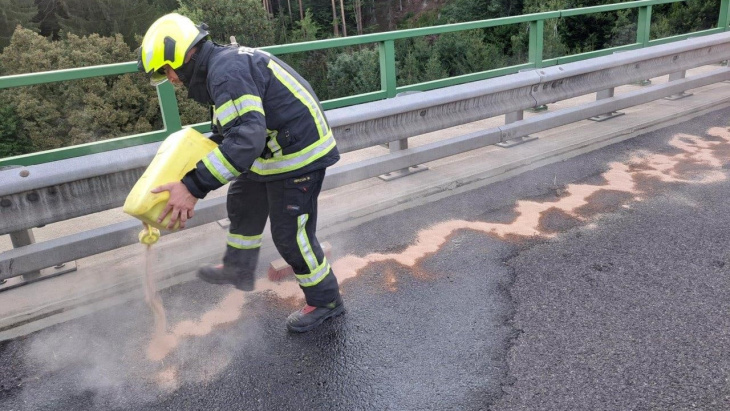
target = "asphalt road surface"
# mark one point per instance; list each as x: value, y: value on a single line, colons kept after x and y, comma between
x: 598, y: 283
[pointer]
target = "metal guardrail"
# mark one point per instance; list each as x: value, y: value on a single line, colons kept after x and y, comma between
x: 46, y: 193
x: 388, y: 76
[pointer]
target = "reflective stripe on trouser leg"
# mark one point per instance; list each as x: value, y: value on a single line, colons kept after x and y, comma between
x: 317, y: 271
x: 293, y: 215
x: 248, y: 210
x: 303, y: 242
x: 244, y: 242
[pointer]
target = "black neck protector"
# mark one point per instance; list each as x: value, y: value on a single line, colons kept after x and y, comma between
x: 186, y: 71
x: 193, y: 74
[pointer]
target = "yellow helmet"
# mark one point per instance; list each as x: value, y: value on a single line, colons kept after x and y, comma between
x: 167, y: 41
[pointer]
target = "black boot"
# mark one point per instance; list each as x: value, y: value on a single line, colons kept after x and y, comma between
x: 310, y: 317
x: 219, y: 274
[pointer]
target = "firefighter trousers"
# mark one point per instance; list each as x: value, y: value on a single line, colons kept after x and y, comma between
x: 291, y: 206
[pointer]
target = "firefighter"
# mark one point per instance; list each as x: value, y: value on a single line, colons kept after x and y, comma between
x: 274, y: 147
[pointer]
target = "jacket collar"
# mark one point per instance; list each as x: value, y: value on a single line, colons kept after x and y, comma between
x: 198, y: 89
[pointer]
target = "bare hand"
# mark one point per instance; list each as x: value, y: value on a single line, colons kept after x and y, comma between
x: 180, y: 205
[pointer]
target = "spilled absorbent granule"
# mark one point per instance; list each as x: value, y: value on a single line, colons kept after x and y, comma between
x: 152, y: 296
x: 698, y: 152
x: 167, y: 379
x: 225, y: 312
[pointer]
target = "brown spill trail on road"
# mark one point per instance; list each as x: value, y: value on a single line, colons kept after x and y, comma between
x: 619, y: 177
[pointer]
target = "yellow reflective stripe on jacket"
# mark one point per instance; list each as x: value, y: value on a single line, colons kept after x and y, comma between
x: 294, y: 161
x: 273, y: 144
x: 221, y: 169
x: 317, y: 275
x: 214, y: 118
x: 301, y: 93
x: 303, y: 241
x: 244, y: 242
x: 235, y: 108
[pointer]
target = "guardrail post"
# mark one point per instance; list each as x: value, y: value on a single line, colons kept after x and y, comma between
x: 608, y: 93
x: 398, y: 145
x: 511, y: 118
x: 536, y: 43
x: 21, y: 239
x: 724, y: 18
x: 643, y: 28
x: 386, y: 52
x: 674, y: 77
x: 536, y: 109
x: 168, y: 107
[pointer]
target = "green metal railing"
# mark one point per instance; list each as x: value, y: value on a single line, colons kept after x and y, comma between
x: 386, y: 48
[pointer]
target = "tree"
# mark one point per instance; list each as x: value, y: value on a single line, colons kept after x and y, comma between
x: 305, y: 29
x: 12, y: 14
x: 13, y: 140
x: 334, y: 19
x: 466, y: 52
x: 358, y: 16
x: 552, y: 43
x: 344, y: 23
x: 409, y: 69
x: 60, y: 114
x: 685, y: 17
x: 247, y: 20
x: 47, y: 17
x: 587, y: 32
x: 434, y: 69
x: 353, y: 73
x: 312, y: 65
x: 110, y: 17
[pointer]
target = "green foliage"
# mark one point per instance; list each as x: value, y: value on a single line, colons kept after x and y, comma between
x: 418, y: 61
x: 458, y: 11
x: 686, y: 17
x: 305, y: 30
x: 13, y: 140
x: 110, y: 17
x: 434, y: 68
x: 466, y: 52
x: 245, y: 19
x: 312, y: 65
x: 48, y: 17
x: 447, y: 55
x: 73, y: 112
x: 624, y: 29
x: 354, y: 73
x: 282, y: 26
x: 12, y: 14
x: 587, y: 32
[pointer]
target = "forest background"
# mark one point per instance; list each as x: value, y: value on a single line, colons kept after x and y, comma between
x: 42, y: 35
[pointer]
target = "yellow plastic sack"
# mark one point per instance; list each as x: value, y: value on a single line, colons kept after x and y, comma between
x: 177, y: 155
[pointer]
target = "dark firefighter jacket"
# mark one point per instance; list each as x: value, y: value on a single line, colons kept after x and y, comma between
x: 272, y: 124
